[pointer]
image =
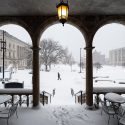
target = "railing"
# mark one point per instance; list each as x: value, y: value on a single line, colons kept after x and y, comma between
x: 80, y: 97
x: 44, y: 97
x: 24, y: 95
x: 18, y: 92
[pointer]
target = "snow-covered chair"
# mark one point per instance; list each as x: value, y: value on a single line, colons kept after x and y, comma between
x: 108, y: 109
x: 122, y: 120
x: 9, y: 112
x: 121, y: 115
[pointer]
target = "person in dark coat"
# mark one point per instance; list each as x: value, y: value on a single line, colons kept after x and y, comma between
x: 72, y: 92
x: 54, y: 91
x: 59, y: 78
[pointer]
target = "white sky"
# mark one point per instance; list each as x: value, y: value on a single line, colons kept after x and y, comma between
x: 108, y: 37
x: 17, y: 31
x: 68, y: 36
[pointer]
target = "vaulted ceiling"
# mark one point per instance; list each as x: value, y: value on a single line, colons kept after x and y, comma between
x: 48, y: 7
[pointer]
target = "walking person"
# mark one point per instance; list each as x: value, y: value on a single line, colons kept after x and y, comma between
x: 54, y: 92
x: 59, y: 78
x: 72, y: 92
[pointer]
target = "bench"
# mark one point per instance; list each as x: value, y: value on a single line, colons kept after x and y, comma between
x: 9, y: 112
x: 14, y: 85
x: 105, y: 80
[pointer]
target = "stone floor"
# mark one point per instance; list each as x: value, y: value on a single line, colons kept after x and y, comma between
x: 59, y: 115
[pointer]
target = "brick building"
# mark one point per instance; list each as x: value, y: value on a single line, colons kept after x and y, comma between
x: 117, y: 57
x: 98, y: 57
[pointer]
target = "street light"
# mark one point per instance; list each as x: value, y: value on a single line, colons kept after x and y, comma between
x: 3, y: 48
x: 80, y: 59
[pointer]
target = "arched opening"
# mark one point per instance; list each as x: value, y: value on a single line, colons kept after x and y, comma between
x: 17, y: 55
x: 70, y: 64
x: 108, y: 56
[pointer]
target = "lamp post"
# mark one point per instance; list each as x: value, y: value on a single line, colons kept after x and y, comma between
x: 80, y: 59
x: 3, y: 48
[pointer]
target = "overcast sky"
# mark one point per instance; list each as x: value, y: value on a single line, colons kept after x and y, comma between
x: 68, y: 36
x: 108, y: 37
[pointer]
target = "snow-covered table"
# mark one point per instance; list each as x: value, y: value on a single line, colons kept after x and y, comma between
x: 114, y: 98
x: 5, y: 98
x: 103, y: 90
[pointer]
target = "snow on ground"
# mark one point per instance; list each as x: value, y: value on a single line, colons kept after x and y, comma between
x: 59, y: 115
x: 70, y: 78
x: 63, y: 110
x: 116, y: 74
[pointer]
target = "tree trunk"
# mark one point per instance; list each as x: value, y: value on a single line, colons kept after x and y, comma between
x: 46, y: 67
x: 50, y: 67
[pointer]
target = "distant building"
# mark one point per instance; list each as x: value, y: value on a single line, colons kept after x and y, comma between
x: 117, y: 57
x: 98, y: 57
x: 15, y: 54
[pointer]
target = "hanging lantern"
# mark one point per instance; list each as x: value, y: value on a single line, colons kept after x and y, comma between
x: 62, y: 9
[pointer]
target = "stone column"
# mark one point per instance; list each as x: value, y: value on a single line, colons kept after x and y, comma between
x: 36, y: 89
x: 89, y: 77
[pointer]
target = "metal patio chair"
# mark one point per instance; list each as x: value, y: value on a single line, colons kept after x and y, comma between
x: 107, y: 108
x: 9, y: 112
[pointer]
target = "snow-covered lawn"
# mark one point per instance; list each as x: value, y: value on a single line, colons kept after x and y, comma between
x: 70, y: 78
x: 63, y: 110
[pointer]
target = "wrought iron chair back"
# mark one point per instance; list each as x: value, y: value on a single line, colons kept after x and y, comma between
x: 108, y: 109
x: 7, y: 113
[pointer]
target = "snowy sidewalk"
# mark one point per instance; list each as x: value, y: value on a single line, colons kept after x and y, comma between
x: 62, y: 94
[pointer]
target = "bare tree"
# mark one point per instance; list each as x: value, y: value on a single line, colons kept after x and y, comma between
x: 71, y: 60
x: 51, y: 52
x: 29, y: 56
x: 97, y: 65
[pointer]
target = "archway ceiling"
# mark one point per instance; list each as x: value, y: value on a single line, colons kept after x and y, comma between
x: 48, y: 7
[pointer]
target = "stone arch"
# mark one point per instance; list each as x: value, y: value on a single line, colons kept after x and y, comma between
x: 18, y: 22
x: 87, y: 29
x: 108, y: 20
x: 108, y: 25
x: 53, y: 20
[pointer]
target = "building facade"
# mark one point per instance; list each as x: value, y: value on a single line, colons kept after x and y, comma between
x: 98, y: 58
x: 117, y: 57
x: 15, y: 54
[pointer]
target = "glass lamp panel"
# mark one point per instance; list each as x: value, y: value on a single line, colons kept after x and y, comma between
x: 63, y: 12
x: 59, y: 11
